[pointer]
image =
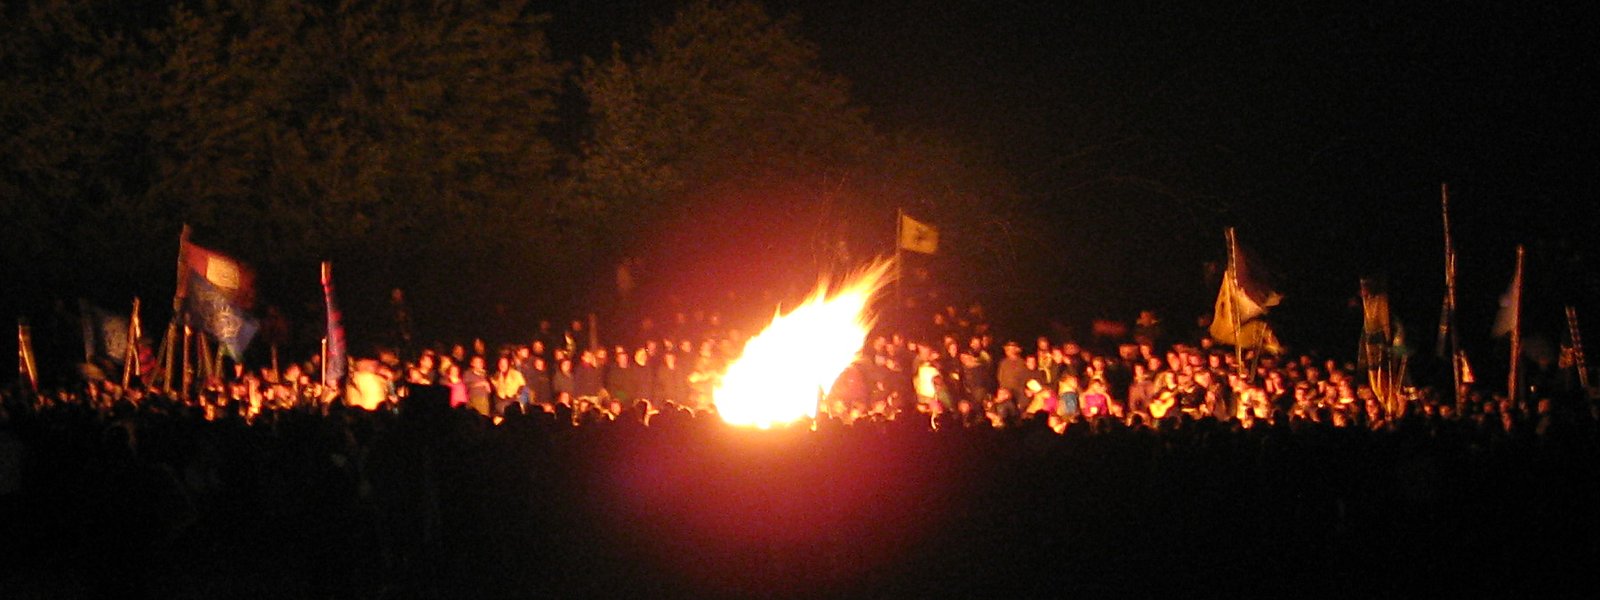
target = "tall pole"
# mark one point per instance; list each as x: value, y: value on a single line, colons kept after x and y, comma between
x: 1230, y: 279
x: 1514, y: 379
x: 168, y: 342
x: 25, y: 360
x: 324, y: 376
x: 130, y: 356
x: 899, y: 261
x: 1449, y: 337
x: 188, y: 374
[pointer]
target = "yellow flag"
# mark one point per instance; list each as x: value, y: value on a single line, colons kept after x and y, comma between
x: 917, y: 236
x: 1237, y: 320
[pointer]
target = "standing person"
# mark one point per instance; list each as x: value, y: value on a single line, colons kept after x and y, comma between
x: 508, y: 384
x: 523, y: 363
x: 1013, y: 373
x: 562, y: 386
x: 672, y: 380
x: 619, y: 380
x: 540, y: 386
x: 644, y: 376
x: 587, y: 377
x: 478, y: 387
x: 458, y: 387
x: 977, y: 377
x: 923, y: 379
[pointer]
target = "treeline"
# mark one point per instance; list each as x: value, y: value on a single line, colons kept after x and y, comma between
x: 421, y: 144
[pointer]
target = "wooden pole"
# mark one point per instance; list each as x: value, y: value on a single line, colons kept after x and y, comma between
x: 171, y: 337
x: 899, y: 261
x: 1449, y: 338
x: 188, y: 374
x: 25, y: 359
x: 130, y: 356
x: 1514, y: 378
x: 324, y: 378
x: 1230, y: 278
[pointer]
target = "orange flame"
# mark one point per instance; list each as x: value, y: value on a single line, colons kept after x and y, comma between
x: 787, y: 367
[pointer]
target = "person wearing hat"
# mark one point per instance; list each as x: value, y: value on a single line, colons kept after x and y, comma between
x: 1013, y: 373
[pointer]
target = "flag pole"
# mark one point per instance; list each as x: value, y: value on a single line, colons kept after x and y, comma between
x: 1513, y: 379
x: 1230, y: 278
x: 899, y: 261
x: 25, y: 359
x: 130, y: 355
x: 324, y: 377
x: 1448, y: 335
x: 188, y: 374
x: 171, y: 338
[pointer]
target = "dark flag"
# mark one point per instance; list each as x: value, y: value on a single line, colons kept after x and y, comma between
x: 1383, y: 345
x: 334, y: 368
x: 105, y: 334
x: 220, y: 292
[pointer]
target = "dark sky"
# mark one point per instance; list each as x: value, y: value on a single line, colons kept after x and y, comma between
x: 1321, y: 130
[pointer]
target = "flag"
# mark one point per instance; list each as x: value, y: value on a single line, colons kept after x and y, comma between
x: 1506, y: 319
x: 105, y: 334
x: 1242, y: 304
x: 227, y: 276
x: 1377, y: 328
x: 221, y: 316
x: 917, y: 236
x: 333, y: 370
x: 220, y: 290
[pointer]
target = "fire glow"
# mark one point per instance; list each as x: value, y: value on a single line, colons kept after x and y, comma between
x: 789, y: 366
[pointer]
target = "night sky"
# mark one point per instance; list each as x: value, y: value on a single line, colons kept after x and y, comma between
x: 1321, y: 130
x: 1137, y: 132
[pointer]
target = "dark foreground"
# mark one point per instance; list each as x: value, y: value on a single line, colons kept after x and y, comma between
x: 444, y: 505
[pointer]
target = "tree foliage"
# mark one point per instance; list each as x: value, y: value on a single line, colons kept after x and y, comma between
x: 383, y: 123
x: 409, y: 138
x: 722, y: 94
x: 396, y: 133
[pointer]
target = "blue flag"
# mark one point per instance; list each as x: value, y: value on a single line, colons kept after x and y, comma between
x: 221, y: 317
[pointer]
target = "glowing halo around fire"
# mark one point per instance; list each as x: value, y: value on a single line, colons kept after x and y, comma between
x: 788, y: 366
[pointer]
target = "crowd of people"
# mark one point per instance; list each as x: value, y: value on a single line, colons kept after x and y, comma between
x: 952, y: 372
x: 944, y: 461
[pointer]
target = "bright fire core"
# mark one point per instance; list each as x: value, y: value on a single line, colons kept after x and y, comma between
x: 789, y: 366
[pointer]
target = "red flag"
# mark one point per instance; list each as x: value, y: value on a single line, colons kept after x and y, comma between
x: 230, y: 277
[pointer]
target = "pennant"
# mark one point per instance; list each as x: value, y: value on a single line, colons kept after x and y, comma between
x: 335, y: 366
x: 220, y: 316
x: 917, y: 236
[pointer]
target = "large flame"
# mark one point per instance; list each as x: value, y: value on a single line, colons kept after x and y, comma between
x: 787, y: 367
